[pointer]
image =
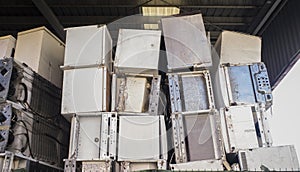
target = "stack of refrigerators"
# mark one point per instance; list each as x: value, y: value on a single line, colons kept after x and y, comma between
x: 165, y: 99
x: 33, y: 134
x: 244, y: 97
x: 196, y: 136
x: 116, y: 115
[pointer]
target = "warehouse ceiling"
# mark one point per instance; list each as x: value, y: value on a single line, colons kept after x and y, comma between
x: 237, y: 15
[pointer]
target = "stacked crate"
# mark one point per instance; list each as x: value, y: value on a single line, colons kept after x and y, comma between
x: 127, y: 132
x: 243, y: 96
x: 245, y: 92
x: 86, y: 98
x: 43, y: 52
x: 32, y: 129
x: 36, y: 108
x: 196, y: 138
x: 215, y: 107
x: 136, y: 97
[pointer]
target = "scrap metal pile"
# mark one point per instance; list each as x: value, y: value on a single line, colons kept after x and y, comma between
x: 180, y: 106
x: 34, y: 136
x: 163, y: 100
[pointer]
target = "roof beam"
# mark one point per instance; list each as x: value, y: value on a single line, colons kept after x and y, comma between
x: 199, y: 5
x: 51, y: 18
x: 225, y: 24
x: 138, y: 19
x: 263, y: 14
x: 271, y: 14
x: 220, y: 6
x: 178, y: 5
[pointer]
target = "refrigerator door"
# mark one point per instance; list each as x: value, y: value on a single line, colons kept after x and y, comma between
x: 85, y: 90
x: 139, y: 138
x: 186, y: 42
x: 88, y: 45
x: 138, y: 51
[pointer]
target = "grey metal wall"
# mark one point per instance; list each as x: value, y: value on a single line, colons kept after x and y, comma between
x: 281, y: 41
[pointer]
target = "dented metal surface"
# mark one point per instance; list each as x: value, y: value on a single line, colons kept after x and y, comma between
x: 190, y: 92
x: 247, y: 84
x: 183, y: 48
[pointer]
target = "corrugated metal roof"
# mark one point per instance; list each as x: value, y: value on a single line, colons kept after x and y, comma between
x: 82, y: 12
x: 281, y: 41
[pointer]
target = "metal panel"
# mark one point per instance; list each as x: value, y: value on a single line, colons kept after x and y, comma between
x: 282, y: 42
x: 85, y: 90
x: 138, y: 51
x: 138, y: 166
x: 93, y: 137
x: 239, y: 85
x: 280, y: 158
x: 7, y: 46
x: 138, y: 138
x: 6, y: 67
x: 141, y: 166
x: 219, y: 84
x: 200, y: 137
x: 33, y: 135
x: 10, y: 161
x: 186, y: 42
x: 262, y: 87
x: 108, y: 136
x: 90, y: 166
x: 262, y: 126
x: 49, y: 140
x: 136, y: 94
x: 174, y: 93
x: 163, y: 143
x: 114, y: 93
x: 238, y: 48
x: 132, y: 93
x: 239, y: 130
x: 190, y: 92
x: 178, y: 138
x: 88, y: 45
x: 73, y: 143
x: 248, y: 84
x: 196, y: 137
x: 34, y: 92
x: 194, y: 92
x: 154, y: 102
x: 204, y: 165
x: 42, y: 51
x: 89, y: 137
